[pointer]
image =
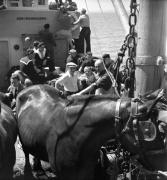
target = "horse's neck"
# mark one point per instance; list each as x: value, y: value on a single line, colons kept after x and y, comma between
x: 94, y: 123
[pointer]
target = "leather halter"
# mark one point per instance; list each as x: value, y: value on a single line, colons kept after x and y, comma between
x: 117, y: 118
x: 135, y: 117
x: 133, y: 114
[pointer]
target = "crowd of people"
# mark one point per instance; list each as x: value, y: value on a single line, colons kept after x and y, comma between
x: 84, y: 73
x: 75, y: 26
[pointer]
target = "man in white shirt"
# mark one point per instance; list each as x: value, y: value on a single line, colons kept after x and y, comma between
x: 84, y: 22
x: 68, y: 83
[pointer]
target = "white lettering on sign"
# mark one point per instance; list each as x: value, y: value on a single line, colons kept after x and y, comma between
x: 31, y: 18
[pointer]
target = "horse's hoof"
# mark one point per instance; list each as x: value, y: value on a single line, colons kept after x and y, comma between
x: 39, y: 172
x: 17, y: 171
x: 51, y: 175
x: 40, y: 175
x: 28, y: 175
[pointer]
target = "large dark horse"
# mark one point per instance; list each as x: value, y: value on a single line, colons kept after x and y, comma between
x: 8, y: 134
x: 69, y: 134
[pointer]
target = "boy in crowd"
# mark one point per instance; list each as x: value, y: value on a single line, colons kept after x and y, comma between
x: 14, y: 89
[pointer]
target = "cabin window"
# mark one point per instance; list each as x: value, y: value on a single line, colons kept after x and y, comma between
x: 1, y: 2
x: 13, y: 3
x: 41, y: 2
x: 27, y: 3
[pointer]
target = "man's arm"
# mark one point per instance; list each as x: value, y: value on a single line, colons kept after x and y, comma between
x: 77, y: 21
x: 86, y: 90
x: 104, y: 82
x: 59, y: 84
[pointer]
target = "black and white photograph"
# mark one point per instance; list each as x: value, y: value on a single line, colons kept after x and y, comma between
x: 83, y: 89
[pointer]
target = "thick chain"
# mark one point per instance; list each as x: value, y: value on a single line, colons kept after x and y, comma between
x: 131, y: 43
x: 131, y: 40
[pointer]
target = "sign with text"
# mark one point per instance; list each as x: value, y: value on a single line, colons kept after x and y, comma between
x: 31, y: 18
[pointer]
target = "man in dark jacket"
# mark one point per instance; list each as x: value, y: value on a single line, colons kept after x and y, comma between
x: 73, y: 56
x: 27, y: 66
x: 47, y: 37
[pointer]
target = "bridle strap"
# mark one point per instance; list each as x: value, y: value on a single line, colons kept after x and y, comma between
x: 134, y: 112
x: 117, y: 118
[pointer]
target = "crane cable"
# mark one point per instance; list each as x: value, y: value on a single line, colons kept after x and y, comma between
x: 114, y: 83
x: 101, y: 10
x: 94, y: 29
x: 112, y: 78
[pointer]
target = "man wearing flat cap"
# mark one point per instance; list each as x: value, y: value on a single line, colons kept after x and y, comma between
x: 73, y: 56
x: 68, y: 83
x: 103, y: 83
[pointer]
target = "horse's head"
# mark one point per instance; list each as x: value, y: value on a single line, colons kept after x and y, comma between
x: 143, y: 136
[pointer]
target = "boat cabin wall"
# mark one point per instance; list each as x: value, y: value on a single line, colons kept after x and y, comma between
x: 15, y: 25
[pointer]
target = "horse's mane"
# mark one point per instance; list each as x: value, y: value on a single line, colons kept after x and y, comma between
x: 80, y: 99
x: 70, y: 101
x: 36, y: 89
x: 77, y: 99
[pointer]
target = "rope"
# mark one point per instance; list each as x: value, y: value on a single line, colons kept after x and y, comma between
x: 114, y: 83
x: 102, y: 10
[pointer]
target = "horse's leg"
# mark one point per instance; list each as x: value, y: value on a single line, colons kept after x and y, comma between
x: 51, y: 154
x: 36, y: 164
x: 37, y: 167
x: 27, y: 167
x: 7, y: 162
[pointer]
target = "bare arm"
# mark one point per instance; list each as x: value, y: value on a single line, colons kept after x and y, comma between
x: 86, y: 90
x: 77, y: 21
x: 58, y: 86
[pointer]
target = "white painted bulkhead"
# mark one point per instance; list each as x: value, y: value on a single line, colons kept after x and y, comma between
x: 19, y: 22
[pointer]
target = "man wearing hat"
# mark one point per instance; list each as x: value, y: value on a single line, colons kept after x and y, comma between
x: 73, y: 57
x: 103, y: 83
x: 68, y: 83
x: 42, y: 59
x: 108, y: 62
